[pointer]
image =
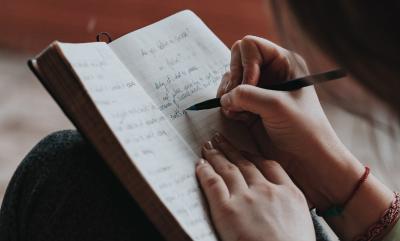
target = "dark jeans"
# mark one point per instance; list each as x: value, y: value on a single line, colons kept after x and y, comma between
x: 63, y: 190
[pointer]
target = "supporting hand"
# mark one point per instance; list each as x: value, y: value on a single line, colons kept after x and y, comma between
x: 251, y: 198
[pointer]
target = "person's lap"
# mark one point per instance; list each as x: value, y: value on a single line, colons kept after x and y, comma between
x: 63, y: 190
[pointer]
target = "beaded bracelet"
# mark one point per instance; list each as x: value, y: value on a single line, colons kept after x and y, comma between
x: 336, y: 210
x: 388, y: 218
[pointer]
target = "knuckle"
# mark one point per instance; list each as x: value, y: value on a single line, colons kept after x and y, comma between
x: 299, y: 58
x: 296, y: 192
x: 245, y: 164
x: 264, y: 189
x: 236, y: 44
x: 248, y: 38
x: 287, y: 66
x: 291, y: 62
x: 301, y: 63
x: 211, y: 181
x: 213, y: 153
x: 229, y: 167
x: 226, y: 75
x: 250, y: 64
x: 242, y: 92
x: 235, y: 68
x: 228, y: 170
x: 285, y: 60
x: 248, y: 198
x: 228, y: 210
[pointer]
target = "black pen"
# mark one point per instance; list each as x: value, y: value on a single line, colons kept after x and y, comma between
x: 289, y: 85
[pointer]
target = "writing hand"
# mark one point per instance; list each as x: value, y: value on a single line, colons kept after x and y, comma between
x: 289, y: 126
x: 292, y: 128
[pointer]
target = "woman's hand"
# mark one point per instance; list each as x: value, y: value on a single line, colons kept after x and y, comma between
x: 251, y: 198
x: 289, y: 126
x: 292, y: 128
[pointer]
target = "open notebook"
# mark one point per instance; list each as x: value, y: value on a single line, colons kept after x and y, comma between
x: 128, y: 99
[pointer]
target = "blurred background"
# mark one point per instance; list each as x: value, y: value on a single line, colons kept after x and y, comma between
x: 27, y: 112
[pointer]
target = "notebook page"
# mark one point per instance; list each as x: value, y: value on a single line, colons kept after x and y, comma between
x: 179, y: 62
x: 144, y: 132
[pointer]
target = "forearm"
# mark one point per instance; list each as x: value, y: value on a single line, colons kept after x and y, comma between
x: 364, y: 208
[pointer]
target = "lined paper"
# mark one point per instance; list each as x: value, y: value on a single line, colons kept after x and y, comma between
x: 144, y: 132
x: 180, y: 62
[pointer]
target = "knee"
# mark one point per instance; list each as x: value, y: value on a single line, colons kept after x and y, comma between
x: 57, y: 162
x: 59, y: 139
x: 54, y: 156
x: 59, y: 148
x: 59, y: 144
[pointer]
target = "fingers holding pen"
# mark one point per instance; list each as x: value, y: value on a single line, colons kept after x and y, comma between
x: 251, y: 60
x: 252, y: 99
x: 245, y: 64
x: 236, y: 68
x: 225, y: 83
x: 248, y: 55
x: 244, y: 68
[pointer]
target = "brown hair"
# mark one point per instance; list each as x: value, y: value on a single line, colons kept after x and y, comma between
x: 361, y: 35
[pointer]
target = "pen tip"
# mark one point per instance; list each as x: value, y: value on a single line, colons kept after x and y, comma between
x: 193, y: 107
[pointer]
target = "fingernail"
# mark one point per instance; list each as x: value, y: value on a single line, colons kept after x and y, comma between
x: 218, y: 137
x: 225, y: 100
x: 208, y: 145
x: 201, y: 162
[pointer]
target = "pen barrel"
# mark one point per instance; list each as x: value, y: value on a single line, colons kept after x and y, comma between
x: 307, y: 80
x: 290, y: 85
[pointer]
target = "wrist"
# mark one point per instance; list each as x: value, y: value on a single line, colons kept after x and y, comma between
x: 333, y: 184
x: 344, y: 173
x: 331, y: 176
x: 364, y: 209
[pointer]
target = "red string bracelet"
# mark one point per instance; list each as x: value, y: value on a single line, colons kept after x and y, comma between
x: 336, y: 210
x: 358, y: 185
x: 388, y: 218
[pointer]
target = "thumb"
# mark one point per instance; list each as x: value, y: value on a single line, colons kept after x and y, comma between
x: 252, y: 99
